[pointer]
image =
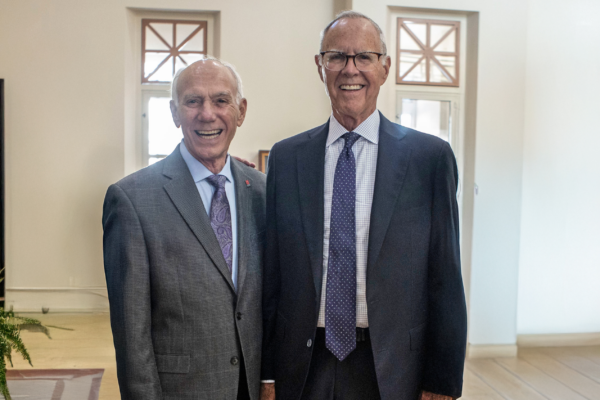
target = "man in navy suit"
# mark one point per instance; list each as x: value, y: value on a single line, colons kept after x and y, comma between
x: 362, y: 288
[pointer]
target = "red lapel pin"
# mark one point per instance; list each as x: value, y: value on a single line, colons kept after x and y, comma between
x: 247, y: 183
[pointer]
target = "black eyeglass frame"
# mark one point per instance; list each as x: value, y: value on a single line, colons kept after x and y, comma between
x: 349, y: 56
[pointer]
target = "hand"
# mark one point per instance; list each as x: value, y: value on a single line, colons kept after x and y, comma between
x: 267, y: 391
x: 431, y: 396
x: 248, y: 163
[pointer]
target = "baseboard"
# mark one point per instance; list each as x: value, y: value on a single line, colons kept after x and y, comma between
x: 491, y: 351
x: 559, y: 340
x: 89, y: 299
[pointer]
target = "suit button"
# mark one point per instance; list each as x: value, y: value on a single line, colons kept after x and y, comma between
x: 239, y: 316
x: 309, y: 343
x: 235, y: 361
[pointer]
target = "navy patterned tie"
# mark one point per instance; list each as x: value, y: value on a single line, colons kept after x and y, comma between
x: 340, y: 307
x: 220, y: 217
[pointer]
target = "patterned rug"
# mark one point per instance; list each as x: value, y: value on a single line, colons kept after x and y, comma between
x: 54, y: 384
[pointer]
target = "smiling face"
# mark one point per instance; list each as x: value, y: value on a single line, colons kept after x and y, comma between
x: 208, y: 112
x: 353, y: 93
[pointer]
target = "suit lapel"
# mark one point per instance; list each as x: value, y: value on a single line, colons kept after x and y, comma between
x: 392, y: 163
x: 184, y: 195
x: 243, y: 203
x: 311, y: 177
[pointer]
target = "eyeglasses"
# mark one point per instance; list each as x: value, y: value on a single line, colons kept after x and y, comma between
x: 336, y: 61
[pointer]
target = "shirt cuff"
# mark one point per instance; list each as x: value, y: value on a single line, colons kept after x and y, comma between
x: 268, y: 381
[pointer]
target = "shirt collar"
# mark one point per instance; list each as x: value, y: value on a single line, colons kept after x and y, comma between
x: 369, y: 129
x: 198, y: 170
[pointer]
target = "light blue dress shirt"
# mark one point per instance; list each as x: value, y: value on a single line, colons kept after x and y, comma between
x: 200, y: 173
x: 365, y: 152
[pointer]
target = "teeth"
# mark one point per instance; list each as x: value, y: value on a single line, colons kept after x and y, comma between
x: 213, y: 132
x: 351, y: 87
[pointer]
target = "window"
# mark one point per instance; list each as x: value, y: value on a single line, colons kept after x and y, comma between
x: 433, y: 113
x: 169, y: 45
x: 428, y: 52
x: 432, y: 85
x: 430, y: 116
x: 162, y: 136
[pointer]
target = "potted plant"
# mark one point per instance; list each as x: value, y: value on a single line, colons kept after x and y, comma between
x: 10, y: 339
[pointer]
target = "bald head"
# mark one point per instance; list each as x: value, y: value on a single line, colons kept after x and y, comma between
x: 353, y: 92
x: 352, y: 15
x: 207, y: 106
x: 195, y: 68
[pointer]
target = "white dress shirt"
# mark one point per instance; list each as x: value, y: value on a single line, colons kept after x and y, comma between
x: 365, y: 151
x: 200, y: 173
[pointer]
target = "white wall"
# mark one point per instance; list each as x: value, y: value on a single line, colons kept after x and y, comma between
x: 62, y: 62
x: 65, y: 71
x: 498, y: 159
x: 560, y: 235
x: 533, y: 150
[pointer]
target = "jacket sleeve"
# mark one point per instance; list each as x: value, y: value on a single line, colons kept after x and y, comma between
x: 447, y: 316
x: 271, y: 276
x: 128, y: 280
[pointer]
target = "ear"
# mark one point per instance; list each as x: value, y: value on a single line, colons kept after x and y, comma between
x: 242, y: 108
x: 319, y: 67
x: 174, y: 114
x: 386, y: 68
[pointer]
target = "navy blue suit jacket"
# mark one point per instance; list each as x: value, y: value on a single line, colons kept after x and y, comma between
x: 415, y: 297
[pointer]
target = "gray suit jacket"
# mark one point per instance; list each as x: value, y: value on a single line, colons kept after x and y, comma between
x: 178, y: 324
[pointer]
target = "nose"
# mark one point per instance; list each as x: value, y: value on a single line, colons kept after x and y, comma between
x: 207, y: 112
x: 350, y: 68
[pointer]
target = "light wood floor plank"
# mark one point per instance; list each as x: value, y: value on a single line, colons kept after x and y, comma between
x: 476, y: 389
x: 89, y: 345
x: 539, y: 380
x: 590, y: 352
x: 503, y: 381
x: 576, y: 361
x: 539, y: 373
x: 559, y: 371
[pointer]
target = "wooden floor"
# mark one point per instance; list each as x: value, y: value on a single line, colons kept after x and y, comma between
x: 89, y: 345
x: 559, y: 373
x: 556, y: 373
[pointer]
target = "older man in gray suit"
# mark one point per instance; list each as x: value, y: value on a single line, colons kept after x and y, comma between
x: 183, y: 254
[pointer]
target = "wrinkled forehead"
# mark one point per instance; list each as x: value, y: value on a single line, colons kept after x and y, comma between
x: 208, y: 74
x: 347, y: 28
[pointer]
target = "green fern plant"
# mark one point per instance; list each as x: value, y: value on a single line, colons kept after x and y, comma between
x: 10, y: 339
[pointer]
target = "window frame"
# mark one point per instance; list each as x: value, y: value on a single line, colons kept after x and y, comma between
x: 428, y: 51
x: 174, y: 52
x: 146, y: 96
x: 135, y: 132
x: 454, y: 100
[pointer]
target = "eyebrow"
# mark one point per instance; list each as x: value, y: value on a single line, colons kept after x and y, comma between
x: 199, y: 96
x: 221, y: 94
x: 193, y: 96
x: 343, y: 52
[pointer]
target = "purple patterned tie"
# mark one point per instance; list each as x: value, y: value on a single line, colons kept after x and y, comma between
x: 220, y: 217
x: 340, y: 303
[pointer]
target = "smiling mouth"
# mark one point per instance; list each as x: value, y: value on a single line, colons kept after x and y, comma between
x: 351, y: 87
x: 209, y: 134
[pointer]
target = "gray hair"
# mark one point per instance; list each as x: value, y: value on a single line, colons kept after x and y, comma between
x: 238, y: 80
x: 354, y: 15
